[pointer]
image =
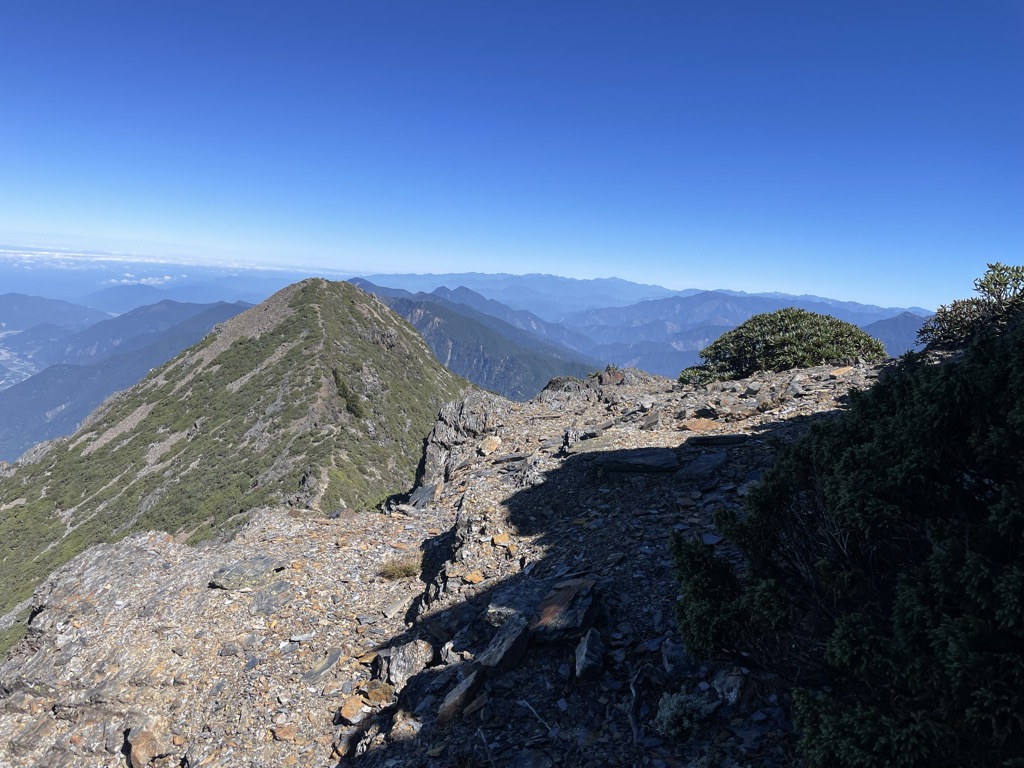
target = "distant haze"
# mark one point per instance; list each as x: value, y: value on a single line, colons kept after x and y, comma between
x: 76, y: 275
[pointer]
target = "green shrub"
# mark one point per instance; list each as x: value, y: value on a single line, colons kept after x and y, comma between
x: 1001, y: 296
x: 710, y: 614
x: 780, y: 340
x: 350, y: 398
x: 679, y: 714
x: 885, y: 569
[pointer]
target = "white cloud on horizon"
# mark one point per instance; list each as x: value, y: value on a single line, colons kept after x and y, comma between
x: 153, y: 282
x: 28, y: 257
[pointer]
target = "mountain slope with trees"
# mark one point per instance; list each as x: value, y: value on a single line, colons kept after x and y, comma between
x: 53, y: 402
x: 513, y: 361
x: 319, y: 397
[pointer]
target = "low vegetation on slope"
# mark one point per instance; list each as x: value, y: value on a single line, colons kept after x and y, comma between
x: 885, y: 564
x: 320, y: 397
x: 780, y: 340
x: 486, y: 350
x: 1000, y: 298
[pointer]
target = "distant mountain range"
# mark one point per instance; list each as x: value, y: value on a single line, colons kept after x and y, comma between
x: 513, y: 359
x: 507, y: 333
x: 548, y: 296
x: 19, y: 312
x: 135, y: 329
x: 553, y: 297
x: 245, y: 289
x: 661, y: 332
x: 81, y: 370
x: 898, y: 334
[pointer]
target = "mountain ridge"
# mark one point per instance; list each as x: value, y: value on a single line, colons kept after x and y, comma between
x: 19, y: 311
x: 319, y: 396
x: 515, y: 362
x: 51, y: 403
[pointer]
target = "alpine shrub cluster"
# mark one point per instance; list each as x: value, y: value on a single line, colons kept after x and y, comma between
x: 885, y: 567
x: 1000, y: 298
x: 780, y: 340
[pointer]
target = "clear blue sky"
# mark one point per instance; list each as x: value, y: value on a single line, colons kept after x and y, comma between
x: 866, y: 149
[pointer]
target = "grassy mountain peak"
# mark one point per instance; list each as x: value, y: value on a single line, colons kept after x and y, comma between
x: 319, y: 397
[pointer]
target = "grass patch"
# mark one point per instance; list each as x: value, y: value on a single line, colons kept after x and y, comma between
x: 402, y: 567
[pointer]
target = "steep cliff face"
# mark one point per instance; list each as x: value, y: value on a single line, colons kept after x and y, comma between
x: 320, y: 398
x: 521, y: 615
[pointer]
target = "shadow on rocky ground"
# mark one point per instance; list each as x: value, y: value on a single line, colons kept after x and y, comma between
x: 539, y: 632
x: 549, y: 609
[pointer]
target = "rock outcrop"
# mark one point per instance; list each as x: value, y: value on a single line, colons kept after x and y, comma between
x: 522, y: 614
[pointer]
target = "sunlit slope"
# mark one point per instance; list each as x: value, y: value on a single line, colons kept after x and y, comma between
x: 319, y: 397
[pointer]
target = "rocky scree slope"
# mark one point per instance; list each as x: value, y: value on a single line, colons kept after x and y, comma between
x: 317, y: 398
x: 518, y: 612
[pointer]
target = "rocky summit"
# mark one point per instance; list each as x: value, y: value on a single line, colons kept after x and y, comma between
x: 517, y: 610
x: 317, y: 398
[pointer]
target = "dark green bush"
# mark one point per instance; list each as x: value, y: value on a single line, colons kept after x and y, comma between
x: 780, y: 340
x: 885, y: 569
x: 1000, y: 297
x: 350, y: 398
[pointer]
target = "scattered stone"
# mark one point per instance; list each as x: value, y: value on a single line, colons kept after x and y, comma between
x: 732, y: 439
x: 285, y: 732
x: 230, y: 649
x: 148, y: 741
x: 378, y: 693
x: 397, y: 665
x: 731, y: 685
x: 703, y: 467
x: 335, y: 688
x: 567, y: 610
x: 246, y: 573
x: 640, y: 460
x: 425, y: 494
x: 354, y: 710
x: 332, y: 658
x: 531, y: 758
x: 699, y: 425
x: 396, y: 607
x: 589, y: 655
x: 489, y: 445
x: 507, y: 646
x: 676, y: 660
x: 270, y: 600
x: 476, y: 704
x: 651, y: 420
x: 459, y: 697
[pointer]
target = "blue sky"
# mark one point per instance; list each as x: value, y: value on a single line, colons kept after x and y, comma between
x: 865, y: 150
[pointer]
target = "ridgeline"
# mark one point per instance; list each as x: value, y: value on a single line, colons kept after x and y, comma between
x: 320, y: 397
